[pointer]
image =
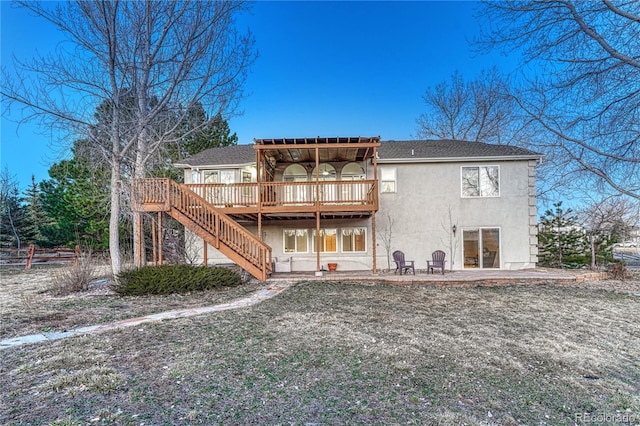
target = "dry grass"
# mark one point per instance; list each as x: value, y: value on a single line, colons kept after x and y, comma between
x: 74, y: 278
x: 29, y: 301
x: 324, y: 353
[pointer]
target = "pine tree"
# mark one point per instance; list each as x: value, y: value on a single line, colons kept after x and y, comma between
x: 35, y: 217
x: 562, y: 241
x: 216, y: 133
x: 75, y: 197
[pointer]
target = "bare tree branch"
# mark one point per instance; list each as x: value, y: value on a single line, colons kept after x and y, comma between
x: 585, y: 99
x: 142, y: 65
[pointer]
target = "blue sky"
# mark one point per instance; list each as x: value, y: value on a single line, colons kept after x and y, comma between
x: 325, y: 69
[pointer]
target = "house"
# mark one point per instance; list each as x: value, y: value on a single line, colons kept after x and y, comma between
x: 310, y: 203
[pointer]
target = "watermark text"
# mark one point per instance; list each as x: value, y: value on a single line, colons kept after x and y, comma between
x: 599, y: 418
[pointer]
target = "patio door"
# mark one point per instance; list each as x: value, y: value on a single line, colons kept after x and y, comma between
x: 481, y: 248
x: 351, y: 191
x: 326, y: 173
x: 295, y: 194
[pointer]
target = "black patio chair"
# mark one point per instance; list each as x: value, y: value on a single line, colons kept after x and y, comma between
x: 401, y: 264
x: 437, y: 261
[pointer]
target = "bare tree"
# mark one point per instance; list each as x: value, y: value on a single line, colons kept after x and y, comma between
x: 10, y: 210
x: 386, y: 232
x: 146, y: 64
x: 485, y: 110
x: 609, y: 220
x: 481, y: 110
x: 584, y: 94
x: 614, y: 216
x: 451, y: 242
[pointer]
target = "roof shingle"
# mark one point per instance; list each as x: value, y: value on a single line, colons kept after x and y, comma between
x: 440, y: 149
x: 388, y: 150
x: 220, y: 156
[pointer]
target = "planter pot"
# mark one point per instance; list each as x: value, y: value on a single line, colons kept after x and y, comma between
x: 332, y: 266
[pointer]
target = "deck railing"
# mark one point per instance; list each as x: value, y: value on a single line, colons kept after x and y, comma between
x: 288, y: 194
x: 195, y: 209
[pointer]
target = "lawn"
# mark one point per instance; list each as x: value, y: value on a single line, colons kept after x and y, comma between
x: 336, y: 353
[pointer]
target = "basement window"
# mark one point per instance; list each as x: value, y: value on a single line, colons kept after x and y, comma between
x: 296, y: 241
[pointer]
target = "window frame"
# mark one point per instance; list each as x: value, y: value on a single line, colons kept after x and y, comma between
x: 481, y: 246
x: 394, y: 181
x: 323, y: 240
x: 296, y: 250
x: 480, y: 180
x: 342, y: 235
x: 210, y: 176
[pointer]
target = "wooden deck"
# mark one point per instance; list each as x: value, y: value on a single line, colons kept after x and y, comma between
x: 212, y: 211
x: 284, y: 200
x: 209, y: 223
x: 273, y: 200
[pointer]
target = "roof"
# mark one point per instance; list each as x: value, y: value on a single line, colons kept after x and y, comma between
x: 439, y: 150
x: 221, y: 156
x: 389, y: 151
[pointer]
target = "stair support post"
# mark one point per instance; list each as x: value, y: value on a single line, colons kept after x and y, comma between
x: 205, y: 255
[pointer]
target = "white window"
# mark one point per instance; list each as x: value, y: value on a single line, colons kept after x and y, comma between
x: 480, y: 181
x: 227, y: 176
x: 325, y: 172
x: 296, y: 241
x: 247, y: 190
x: 328, y: 241
x: 352, y: 192
x: 387, y: 180
x: 219, y: 176
x: 352, y: 171
x: 354, y: 240
x: 195, y: 176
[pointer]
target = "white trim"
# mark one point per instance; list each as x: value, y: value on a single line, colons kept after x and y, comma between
x: 459, y: 159
x: 211, y: 166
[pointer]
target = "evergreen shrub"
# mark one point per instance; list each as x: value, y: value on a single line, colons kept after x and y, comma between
x: 169, y: 279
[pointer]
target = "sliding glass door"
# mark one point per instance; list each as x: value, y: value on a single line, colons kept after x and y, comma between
x: 481, y: 248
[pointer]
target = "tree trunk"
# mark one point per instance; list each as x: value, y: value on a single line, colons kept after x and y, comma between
x: 139, y: 252
x: 114, y: 222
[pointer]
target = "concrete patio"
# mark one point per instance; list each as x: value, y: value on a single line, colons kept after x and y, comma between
x: 467, y: 278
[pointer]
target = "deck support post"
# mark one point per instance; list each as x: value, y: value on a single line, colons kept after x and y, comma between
x: 205, y: 260
x: 317, y: 155
x: 160, y: 245
x: 373, y: 214
x: 140, y: 239
x: 317, y: 241
x: 261, y: 190
x: 374, y: 243
x: 154, y: 242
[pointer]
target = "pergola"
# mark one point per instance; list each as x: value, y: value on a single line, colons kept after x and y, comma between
x: 313, y: 151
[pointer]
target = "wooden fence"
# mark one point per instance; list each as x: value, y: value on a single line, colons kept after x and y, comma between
x: 10, y: 256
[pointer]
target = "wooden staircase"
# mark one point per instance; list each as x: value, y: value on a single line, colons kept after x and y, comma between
x: 209, y: 223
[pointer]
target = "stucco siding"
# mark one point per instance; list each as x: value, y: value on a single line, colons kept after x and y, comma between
x: 428, y: 202
x: 419, y: 217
